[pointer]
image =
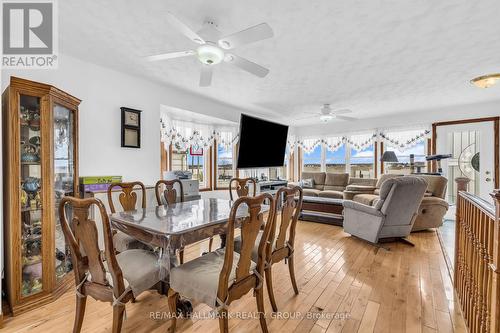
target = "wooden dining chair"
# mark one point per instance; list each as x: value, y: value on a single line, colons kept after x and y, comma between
x: 128, y: 201
x: 288, y: 203
x: 242, y: 187
x: 167, y: 194
x: 117, y: 279
x: 223, y: 276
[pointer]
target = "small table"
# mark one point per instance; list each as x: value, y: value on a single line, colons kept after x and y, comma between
x: 323, y: 210
x: 172, y: 227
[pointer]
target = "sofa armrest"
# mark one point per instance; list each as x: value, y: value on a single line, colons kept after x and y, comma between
x: 348, y: 204
x: 294, y: 184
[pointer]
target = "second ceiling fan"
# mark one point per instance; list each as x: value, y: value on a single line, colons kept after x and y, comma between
x: 327, y: 113
x: 213, y: 47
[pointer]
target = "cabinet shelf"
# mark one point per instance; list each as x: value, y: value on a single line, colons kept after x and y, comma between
x: 29, y: 209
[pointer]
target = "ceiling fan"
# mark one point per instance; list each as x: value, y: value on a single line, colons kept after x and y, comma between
x: 213, y: 47
x: 326, y: 114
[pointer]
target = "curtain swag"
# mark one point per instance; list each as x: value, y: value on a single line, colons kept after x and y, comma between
x: 357, y: 142
x: 183, y: 137
x: 404, y: 139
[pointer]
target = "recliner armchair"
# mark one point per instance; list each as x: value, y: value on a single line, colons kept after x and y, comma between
x: 392, y: 216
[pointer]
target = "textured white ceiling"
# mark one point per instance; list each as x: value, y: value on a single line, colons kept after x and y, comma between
x: 375, y: 57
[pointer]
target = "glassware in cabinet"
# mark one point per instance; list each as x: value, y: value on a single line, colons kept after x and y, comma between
x: 64, y: 180
x: 31, y: 195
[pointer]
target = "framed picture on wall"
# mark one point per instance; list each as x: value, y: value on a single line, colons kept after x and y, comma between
x: 196, y: 151
x: 131, y: 128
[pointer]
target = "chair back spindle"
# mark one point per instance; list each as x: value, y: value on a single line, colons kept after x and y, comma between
x: 128, y: 197
x: 250, y: 227
x: 242, y: 187
x: 82, y: 237
x: 290, y: 211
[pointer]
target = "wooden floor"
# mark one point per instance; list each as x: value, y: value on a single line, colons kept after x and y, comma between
x: 346, y: 285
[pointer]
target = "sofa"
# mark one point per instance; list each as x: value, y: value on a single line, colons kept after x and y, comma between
x: 366, y: 191
x: 325, y: 184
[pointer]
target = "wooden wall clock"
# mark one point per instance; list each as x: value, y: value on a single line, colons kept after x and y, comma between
x: 131, y: 128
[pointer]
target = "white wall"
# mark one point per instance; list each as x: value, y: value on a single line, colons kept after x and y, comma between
x: 103, y: 92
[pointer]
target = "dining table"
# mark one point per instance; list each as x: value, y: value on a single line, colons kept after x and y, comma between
x: 172, y: 227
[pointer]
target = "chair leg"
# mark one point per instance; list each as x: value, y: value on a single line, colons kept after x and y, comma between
x: 223, y: 321
x: 210, y: 243
x: 81, y: 302
x: 292, y: 274
x: 118, y: 318
x: 172, y: 305
x: 260, y: 308
x: 269, y: 283
x: 181, y: 256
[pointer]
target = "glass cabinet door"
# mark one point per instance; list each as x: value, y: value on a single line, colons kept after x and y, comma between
x: 31, y: 195
x: 64, y: 180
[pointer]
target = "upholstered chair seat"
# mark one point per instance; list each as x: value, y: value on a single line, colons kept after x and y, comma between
x: 140, y: 269
x: 366, y: 199
x: 255, y: 251
x: 199, y: 278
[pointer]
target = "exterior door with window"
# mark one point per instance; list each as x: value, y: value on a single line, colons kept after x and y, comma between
x: 472, y: 146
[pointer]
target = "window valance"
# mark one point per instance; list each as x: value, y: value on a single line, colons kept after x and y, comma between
x: 403, y: 140
x: 184, y: 134
x: 357, y: 141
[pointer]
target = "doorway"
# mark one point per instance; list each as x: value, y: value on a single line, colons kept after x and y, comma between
x: 474, y: 148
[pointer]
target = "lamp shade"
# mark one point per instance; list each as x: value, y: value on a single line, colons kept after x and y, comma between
x: 389, y: 156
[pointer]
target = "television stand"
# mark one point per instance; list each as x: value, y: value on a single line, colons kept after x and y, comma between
x: 270, y: 186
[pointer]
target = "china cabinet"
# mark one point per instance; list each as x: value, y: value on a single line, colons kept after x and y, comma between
x: 40, y: 156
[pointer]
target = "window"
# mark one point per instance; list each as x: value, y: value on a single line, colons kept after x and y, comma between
x: 311, y: 161
x: 224, y: 166
x: 403, y: 165
x: 361, y: 162
x: 198, y: 165
x: 335, y: 160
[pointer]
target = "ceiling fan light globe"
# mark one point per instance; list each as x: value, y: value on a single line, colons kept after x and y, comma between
x: 326, y: 117
x: 209, y: 54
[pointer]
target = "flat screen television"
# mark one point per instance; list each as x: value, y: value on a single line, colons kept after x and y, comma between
x: 262, y: 143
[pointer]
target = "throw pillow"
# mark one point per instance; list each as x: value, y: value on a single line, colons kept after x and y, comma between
x: 308, y: 183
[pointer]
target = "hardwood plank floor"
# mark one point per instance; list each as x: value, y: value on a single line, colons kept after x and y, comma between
x: 346, y: 285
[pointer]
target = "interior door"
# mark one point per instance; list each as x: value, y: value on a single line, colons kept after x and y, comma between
x: 472, y: 147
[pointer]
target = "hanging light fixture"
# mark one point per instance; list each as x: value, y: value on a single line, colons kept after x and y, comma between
x: 485, y: 81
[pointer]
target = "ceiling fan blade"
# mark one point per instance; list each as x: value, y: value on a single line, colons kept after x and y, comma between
x: 250, y: 35
x: 206, y: 76
x: 171, y: 55
x: 246, y: 65
x: 346, y: 118
x: 184, y: 29
x: 341, y: 111
x: 308, y: 117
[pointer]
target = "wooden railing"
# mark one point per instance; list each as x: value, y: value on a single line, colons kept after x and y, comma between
x: 477, y: 259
